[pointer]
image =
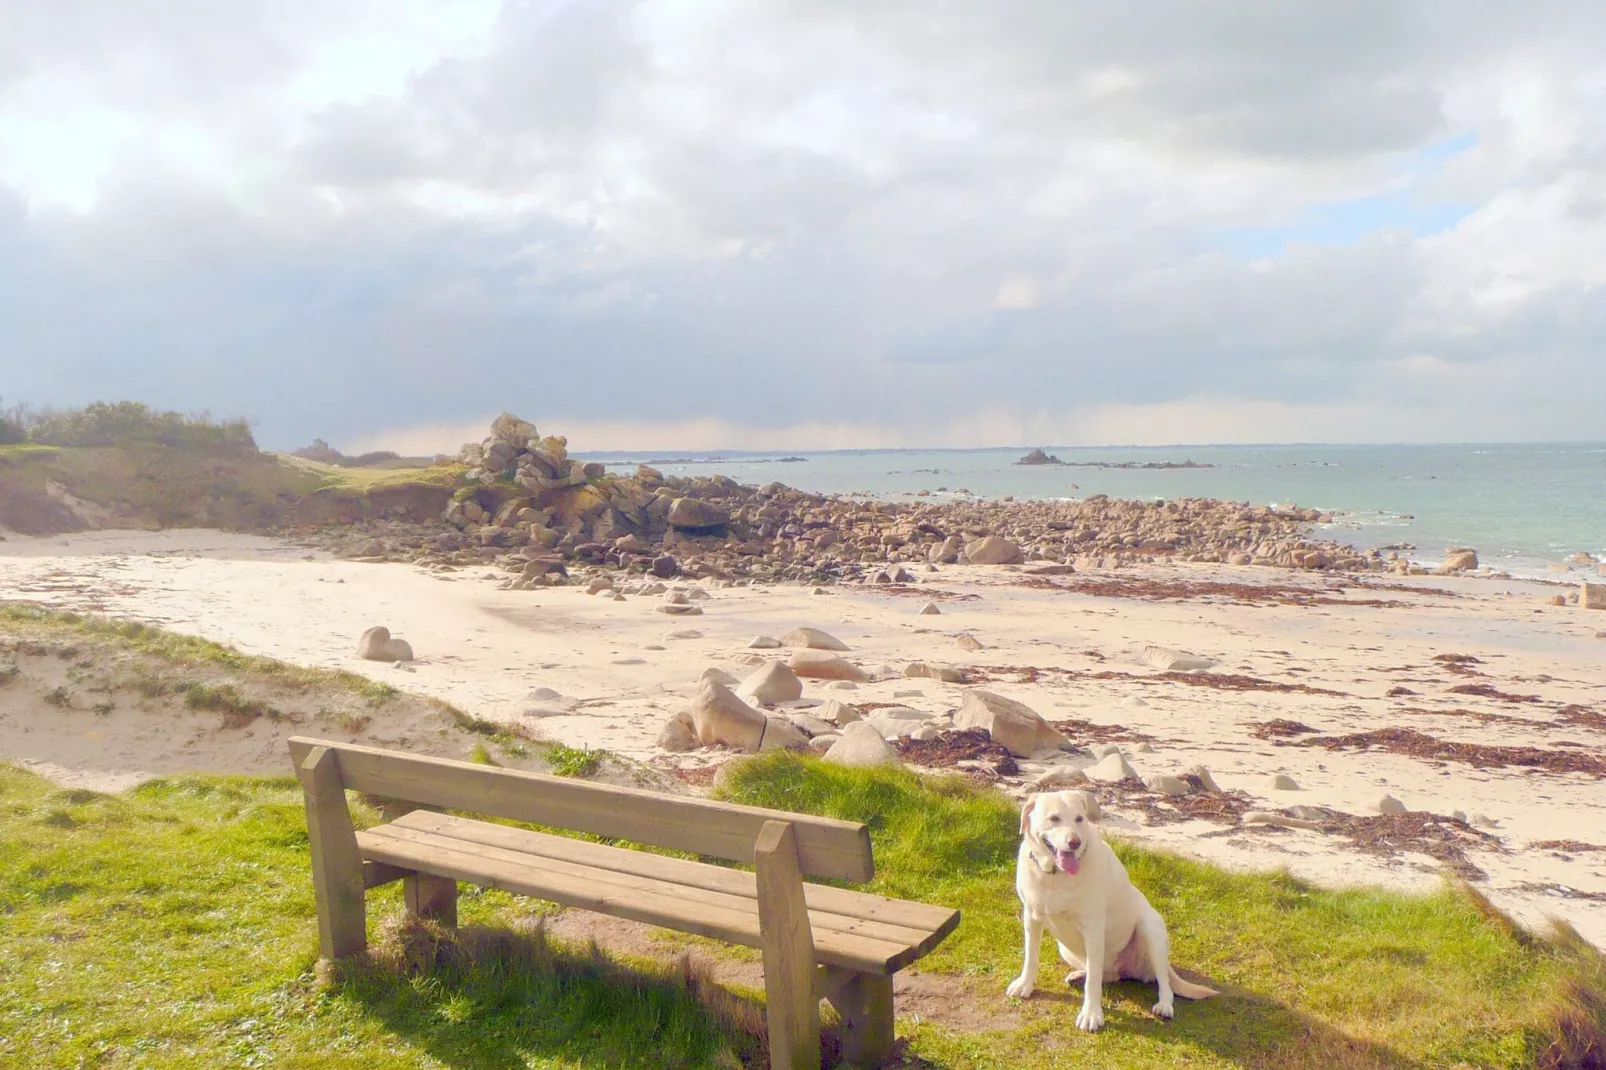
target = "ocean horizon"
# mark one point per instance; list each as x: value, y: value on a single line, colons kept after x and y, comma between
x: 1525, y: 507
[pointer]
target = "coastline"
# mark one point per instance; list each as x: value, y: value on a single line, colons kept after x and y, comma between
x: 1320, y: 648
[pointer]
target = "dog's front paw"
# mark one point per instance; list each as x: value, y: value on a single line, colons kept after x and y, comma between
x: 1021, y: 988
x: 1076, y: 977
x: 1091, y: 1019
x: 1164, y: 1009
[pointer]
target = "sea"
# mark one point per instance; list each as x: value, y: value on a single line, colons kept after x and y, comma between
x: 1524, y: 507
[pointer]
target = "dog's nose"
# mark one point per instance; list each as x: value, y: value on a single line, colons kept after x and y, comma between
x: 1075, y: 842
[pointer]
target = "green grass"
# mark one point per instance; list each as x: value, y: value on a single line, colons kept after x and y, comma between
x: 173, y: 926
x: 20, y: 618
x: 574, y: 761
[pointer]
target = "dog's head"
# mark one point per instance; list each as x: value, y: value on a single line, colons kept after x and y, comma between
x: 1061, y: 822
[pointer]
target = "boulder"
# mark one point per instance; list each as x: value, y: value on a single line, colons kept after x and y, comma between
x: 1592, y: 596
x: 782, y: 734
x: 694, y: 514
x: 772, y: 683
x: 810, y: 725
x: 721, y: 718
x: 1388, y: 804
x: 924, y: 669
x: 994, y: 550
x: 719, y: 676
x: 1281, y: 782
x: 1112, y: 769
x: 665, y: 566
x: 1458, y: 559
x: 1202, y: 774
x: 929, y: 610
x: 1167, y: 785
x: 1014, y: 724
x: 823, y: 665
x: 839, y: 713
x: 376, y: 644
x: 812, y: 639
x: 678, y: 735
x: 947, y: 551
x: 862, y: 745
x: 763, y: 642
x: 969, y: 642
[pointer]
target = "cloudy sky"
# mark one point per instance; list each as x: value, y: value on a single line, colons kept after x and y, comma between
x: 811, y: 223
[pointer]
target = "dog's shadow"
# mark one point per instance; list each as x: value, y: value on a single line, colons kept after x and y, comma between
x: 1237, y: 1025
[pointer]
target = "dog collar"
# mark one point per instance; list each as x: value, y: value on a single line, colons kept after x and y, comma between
x: 1050, y: 867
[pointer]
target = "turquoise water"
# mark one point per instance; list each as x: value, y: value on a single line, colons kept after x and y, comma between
x: 1521, y: 506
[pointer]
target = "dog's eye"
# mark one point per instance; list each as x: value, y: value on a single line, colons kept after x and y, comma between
x: 1078, y: 819
x: 1054, y: 819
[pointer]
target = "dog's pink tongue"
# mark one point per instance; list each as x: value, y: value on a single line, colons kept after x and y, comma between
x: 1068, y: 862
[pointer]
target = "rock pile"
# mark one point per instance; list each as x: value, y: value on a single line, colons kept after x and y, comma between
x: 530, y: 507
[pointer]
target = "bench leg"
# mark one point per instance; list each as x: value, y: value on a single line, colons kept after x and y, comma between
x: 865, y: 1005
x: 337, y: 873
x: 430, y: 896
x: 791, y: 998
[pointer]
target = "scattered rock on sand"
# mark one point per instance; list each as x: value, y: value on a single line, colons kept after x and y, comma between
x: 969, y: 642
x: 930, y: 610
x: 824, y: 665
x: 718, y: 676
x: 772, y: 683
x: 1014, y: 724
x: 684, y: 633
x: 1202, y: 774
x: 994, y: 550
x: 1261, y: 817
x: 681, y: 609
x: 781, y: 734
x: 376, y: 644
x: 1167, y: 660
x: 862, y: 745
x: 1167, y: 785
x: 810, y: 725
x: 665, y: 567
x: 1113, y: 768
x: 678, y: 735
x: 1060, y: 780
x: 1281, y: 782
x: 843, y: 685
x: 812, y: 639
x: 839, y: 713
x: 925, y: 670
x: 1458, y: 559
x: 1133, y: 702
x: 719, y: 717
x: 1388, y: 804
x: 763, y: 642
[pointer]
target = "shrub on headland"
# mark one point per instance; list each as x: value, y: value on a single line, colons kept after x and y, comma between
x: 13, y: 426
x: 129, y: 422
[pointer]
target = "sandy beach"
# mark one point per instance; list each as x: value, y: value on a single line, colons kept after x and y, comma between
x: 1324, y: 651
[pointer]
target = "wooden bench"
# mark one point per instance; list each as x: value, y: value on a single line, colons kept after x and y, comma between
x: 818, y: 941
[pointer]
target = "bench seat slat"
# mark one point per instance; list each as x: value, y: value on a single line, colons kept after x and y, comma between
x: 920, y: 916
x: 897, y: 938
x: 735, y: 926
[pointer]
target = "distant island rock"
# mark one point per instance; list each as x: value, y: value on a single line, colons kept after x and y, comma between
x: 790, y: 460
x: 1151, y: 465
x: 1039, y: 457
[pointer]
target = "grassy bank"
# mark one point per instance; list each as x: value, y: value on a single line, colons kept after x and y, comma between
x: 173, y: 926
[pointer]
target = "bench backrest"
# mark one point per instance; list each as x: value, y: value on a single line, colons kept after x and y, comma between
x: 826, y: 848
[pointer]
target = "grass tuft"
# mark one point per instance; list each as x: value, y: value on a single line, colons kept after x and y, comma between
x: 574, y: 761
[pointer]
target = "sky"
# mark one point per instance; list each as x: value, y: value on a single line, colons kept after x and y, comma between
x: 807, y: 224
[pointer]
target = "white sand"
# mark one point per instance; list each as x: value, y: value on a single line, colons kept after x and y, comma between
x: 484, y: 649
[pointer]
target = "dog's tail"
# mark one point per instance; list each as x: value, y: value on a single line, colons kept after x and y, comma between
x: 1187, y: 989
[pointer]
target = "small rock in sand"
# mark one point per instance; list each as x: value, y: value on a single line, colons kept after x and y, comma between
x: 719, y: 676
x: 810, y: 725
x: 677, y: 609
x: 598, y: 585
x: 812, y: 639
x: 861, y: 745
x: 843, y: 685
x: 926, y: 732
x: 1261, y: 817
x: 781, y: 734
x: 1113, y: 768
x: 1104, y: 750
x: 1281, y: 782
x: 1144, y: 748
x: 772, y: 683
x: 1167, y: 660
x: 1483, y: 821
x: 1060, y: 780
x: 1133, y: 702
x: 763, y: 642
x: 1388, y: 804
x: 678, y: 735
x: 969, y: 642
x: 1167, y: 785
x: 543, y: 694
x: 930, y: 610
x: 821, y: 744
x: 924, y: 669
x: 652, y: 590
x: 820, y: 664
x: 1207, y: 781
x: 684, y: 633
x: 376, y: 644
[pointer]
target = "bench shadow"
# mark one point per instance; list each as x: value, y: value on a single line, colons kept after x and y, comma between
x: 491, y: 997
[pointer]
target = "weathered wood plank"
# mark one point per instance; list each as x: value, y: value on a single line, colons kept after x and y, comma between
x: 865, y: 1007
x: 791, y: 997
x: 746, y: 898
x: 375, y: 874
x: 826, y: 848
x: 732, y: 919
x: 430, y: 895
x: 337, y: 873
x: 924, y: 917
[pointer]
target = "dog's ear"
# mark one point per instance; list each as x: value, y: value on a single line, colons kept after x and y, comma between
x: 1091, y: 805
x: 1026, y: 812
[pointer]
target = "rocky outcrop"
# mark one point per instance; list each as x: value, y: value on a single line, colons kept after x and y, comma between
x: 1039, y: 457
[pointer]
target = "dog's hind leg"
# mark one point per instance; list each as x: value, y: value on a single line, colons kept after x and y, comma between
x: 1023, y: 986
x: 1078, y: 969
x: 1157, y: 953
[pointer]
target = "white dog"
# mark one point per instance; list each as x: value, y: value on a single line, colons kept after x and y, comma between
x: 1070, y: 880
